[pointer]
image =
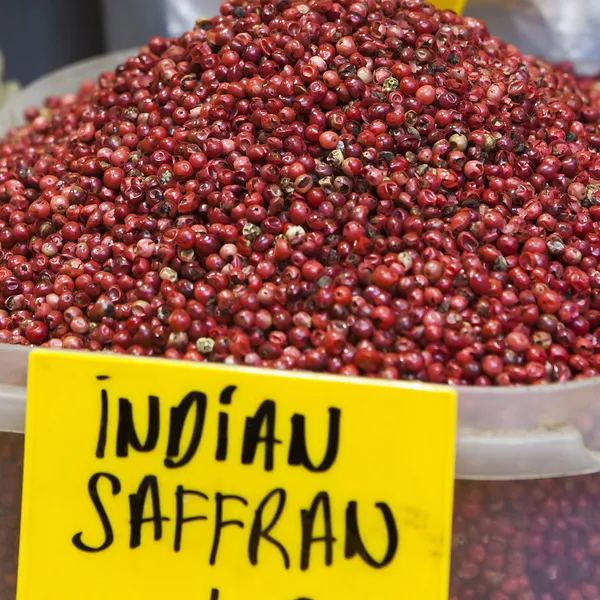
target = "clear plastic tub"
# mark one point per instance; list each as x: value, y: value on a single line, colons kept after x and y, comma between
x: 527, y: 496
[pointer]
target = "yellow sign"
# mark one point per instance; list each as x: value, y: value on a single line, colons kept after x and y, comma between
x: 458, y: 6
x: 157, y: 480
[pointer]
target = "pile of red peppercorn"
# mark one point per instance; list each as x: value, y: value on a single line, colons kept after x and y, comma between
x: 363, y: 187
x: 526, y: 540
x: 591, y: 86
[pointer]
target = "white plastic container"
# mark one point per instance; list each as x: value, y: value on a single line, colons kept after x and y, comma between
x: 504, y: 434
x: 517, y: 534
x: 61, y: 82
x: 519, y: 433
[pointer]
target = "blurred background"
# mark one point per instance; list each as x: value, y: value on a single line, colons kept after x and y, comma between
x: 38, y: 36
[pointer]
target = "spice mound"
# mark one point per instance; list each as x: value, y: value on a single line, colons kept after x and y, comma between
x: 366, y: 188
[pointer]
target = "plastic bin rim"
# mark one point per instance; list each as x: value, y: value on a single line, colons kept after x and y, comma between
x: 126, y: 52
x: 567, y: 387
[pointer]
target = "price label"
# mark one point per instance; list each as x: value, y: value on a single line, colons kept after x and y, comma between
x: 458, y: 6
x: 155, y: 479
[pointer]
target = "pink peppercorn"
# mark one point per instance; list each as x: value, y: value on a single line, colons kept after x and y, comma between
x: 352, y: 165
